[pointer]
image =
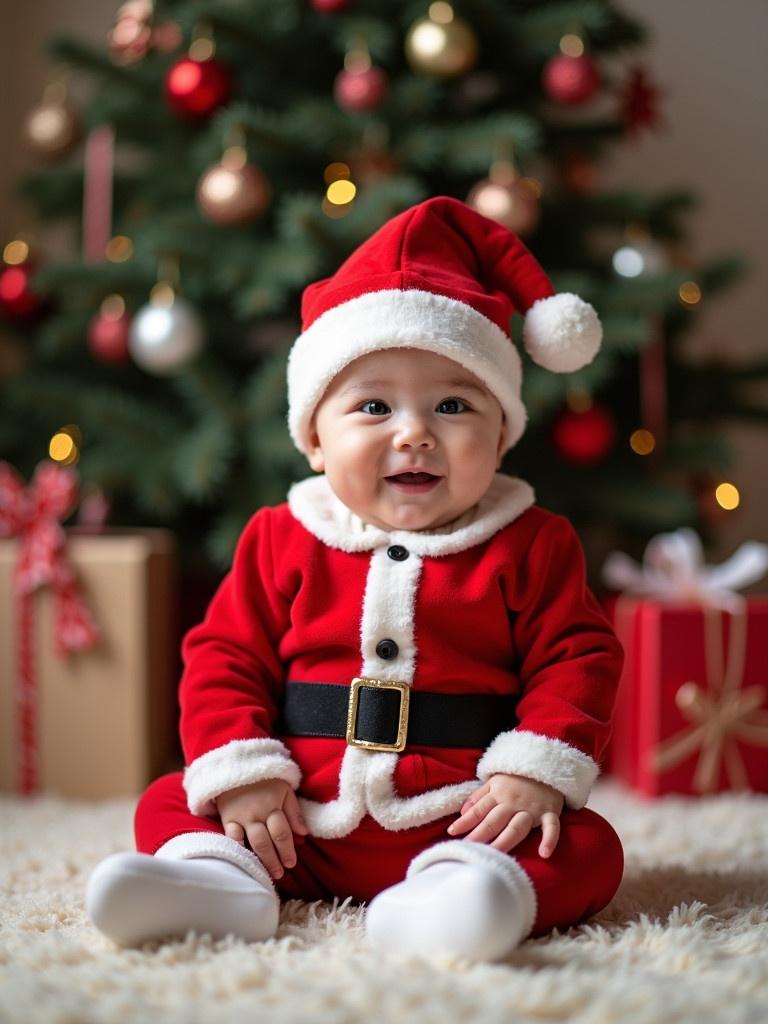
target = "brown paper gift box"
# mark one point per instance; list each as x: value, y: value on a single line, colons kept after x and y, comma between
x: 105, y: 717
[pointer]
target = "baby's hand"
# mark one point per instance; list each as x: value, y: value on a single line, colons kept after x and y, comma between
x: 268, y: 814
x: 507, y: 807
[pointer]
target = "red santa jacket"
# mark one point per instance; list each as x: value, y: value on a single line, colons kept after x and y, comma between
x: 495, y: 603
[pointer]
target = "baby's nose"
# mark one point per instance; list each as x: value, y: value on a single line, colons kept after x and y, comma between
x: 414, y: 432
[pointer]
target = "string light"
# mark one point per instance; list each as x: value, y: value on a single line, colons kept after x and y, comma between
x: 727, y: 496
x: 689, y: 293
x: 441, y: 12
x: 64, y: 446
x: 642, y: 442
x: 572, y: 45
x: 341, y: 192
x: 16, y: 252
x: 119, y: 249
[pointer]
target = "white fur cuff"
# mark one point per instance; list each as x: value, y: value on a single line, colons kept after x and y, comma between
x: 504, y: 865
x: 237, y: 763
x: 190, y: 845
x: 548, y: 760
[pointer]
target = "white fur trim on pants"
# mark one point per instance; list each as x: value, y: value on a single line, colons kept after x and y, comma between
x: 504, y: 866
x: 190, y: 845
x: 237, y: 763
x: 548, y: 760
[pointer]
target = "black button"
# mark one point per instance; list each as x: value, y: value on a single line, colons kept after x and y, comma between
x: 387, y: 649
x: 398, y: 553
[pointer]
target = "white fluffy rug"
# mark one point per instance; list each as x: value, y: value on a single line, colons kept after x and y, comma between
x: 685, y: 939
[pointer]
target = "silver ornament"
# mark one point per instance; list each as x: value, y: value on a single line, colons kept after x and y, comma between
x: 165, y: 335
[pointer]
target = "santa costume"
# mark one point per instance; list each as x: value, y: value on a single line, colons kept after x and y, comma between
x: 386, y: 674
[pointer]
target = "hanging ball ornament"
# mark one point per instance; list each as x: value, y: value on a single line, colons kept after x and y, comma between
x: 53, y: 128
x: 507, y: 198
x: 441, y: 44
x: 198, y: 84
x: 360, y: 85
x: 584, y: 437
x: 329, y: 6
x: 19, y: 302
x: 135, y: 33
x: 571, y: 77
x: 166, y: 334
x: 233, y: 191
x: 108, y: 331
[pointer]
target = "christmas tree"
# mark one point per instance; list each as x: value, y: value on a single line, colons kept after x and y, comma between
x: 235, y: 150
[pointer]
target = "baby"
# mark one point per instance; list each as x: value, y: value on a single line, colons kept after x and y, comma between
x: 402, y: 688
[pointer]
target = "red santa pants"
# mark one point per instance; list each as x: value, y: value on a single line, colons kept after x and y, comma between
x: 579, y: 878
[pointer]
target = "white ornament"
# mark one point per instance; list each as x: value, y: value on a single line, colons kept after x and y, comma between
x: 165, y: 335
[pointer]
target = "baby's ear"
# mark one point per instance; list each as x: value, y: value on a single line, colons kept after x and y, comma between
x: 502, y: 441
x: 314, y: 451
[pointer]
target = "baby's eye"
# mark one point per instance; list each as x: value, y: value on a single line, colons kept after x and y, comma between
x: 375, y: 407
x: 452, y: 405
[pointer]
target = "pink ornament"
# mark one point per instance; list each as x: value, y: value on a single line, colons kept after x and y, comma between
x: 108, y: 335
x: 329, y: 6
x: 571, y: 80
x: 360, y: 90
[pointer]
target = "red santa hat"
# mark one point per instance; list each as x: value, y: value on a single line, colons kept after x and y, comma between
x: 443, y: 278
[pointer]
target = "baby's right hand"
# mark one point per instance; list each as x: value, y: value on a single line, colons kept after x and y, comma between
x: 268, y: 814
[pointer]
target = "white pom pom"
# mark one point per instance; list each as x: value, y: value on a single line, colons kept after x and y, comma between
x: 562, y: 333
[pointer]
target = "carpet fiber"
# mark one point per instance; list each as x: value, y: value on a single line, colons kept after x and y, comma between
x: 685, y: 939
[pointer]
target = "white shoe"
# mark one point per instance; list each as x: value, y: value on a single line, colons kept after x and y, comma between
x: 450, y: 907
x: 134, y: 897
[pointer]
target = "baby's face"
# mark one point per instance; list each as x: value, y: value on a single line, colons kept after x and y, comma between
x: 408, y: 440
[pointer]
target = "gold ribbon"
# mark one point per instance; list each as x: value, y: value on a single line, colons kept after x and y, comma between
x: 718, y: 715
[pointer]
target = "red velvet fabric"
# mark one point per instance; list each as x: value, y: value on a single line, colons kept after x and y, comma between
x: 441, y: 246
x: 510, y: 616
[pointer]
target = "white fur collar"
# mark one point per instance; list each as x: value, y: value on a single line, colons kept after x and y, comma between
x: 318, y: 509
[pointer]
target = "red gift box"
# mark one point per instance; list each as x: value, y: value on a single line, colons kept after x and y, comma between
x: 692, y: 708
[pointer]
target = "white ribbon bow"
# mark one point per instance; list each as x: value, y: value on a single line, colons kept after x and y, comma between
x: 673, y: 570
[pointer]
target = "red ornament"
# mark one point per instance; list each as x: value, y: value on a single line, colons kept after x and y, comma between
x: 639, y: 102
x: 571, y: 80
x: 108, y: 332
x: 362, y: 89
x: 329, y: 6
x: 18, y: 301
x: 584, y: 437
x: 195, y: 88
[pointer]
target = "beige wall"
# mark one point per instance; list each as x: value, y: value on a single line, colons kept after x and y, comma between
x: 708, y: 55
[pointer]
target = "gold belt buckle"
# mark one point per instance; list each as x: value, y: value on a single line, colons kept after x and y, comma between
x: 402, y: 725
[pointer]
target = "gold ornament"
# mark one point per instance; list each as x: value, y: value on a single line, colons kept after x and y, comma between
x: 233, y: 191
x: 441, y: 44
x: 507, y: 198
x: 53, y: 127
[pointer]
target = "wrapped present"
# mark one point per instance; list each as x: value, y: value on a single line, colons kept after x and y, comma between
x: 692, y: 708
x: 87, y: 689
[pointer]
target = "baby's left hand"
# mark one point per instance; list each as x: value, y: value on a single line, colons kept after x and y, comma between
x: 507, y: 807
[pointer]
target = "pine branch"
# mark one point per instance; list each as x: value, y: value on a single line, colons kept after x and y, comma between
x: 88, y: 58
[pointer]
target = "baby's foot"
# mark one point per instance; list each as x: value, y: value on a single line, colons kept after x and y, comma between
x: 448, y: 907
x: 134, y: 897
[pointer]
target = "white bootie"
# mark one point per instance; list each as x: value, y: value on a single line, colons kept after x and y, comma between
x: 469, y: 908
x: 134, y: 897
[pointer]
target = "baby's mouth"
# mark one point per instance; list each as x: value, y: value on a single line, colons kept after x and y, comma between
x: 413, y: 482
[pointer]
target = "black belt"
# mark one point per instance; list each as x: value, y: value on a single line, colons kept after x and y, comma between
x: 381, y: 714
